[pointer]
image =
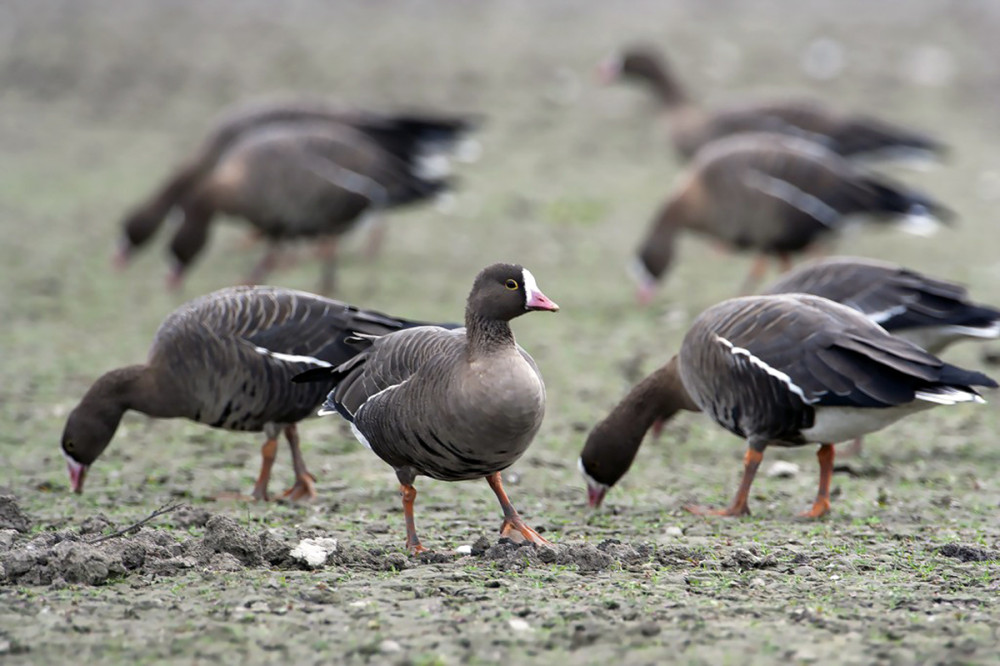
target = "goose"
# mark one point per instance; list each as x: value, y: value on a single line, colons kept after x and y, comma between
x: 772, y: 194
x: 692, y: 127
x: 929, y: 312
x: 297, y: 169
x: 226, y: 360
x: 452, y: 405
x: 783, y: 370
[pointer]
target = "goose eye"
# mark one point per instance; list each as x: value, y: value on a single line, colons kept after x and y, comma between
x: 511, y: 284
x: 68, y: 445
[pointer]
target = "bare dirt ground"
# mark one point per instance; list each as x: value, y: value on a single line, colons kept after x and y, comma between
x: 100, y: 98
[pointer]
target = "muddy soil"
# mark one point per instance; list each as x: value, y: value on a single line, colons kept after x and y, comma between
x: 101, y: 97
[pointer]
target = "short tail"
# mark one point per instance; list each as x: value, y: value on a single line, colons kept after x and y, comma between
x: 898, y: 201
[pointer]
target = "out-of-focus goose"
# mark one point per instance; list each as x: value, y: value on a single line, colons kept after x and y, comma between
x: 929, y: 312
x: 451, y: 405
x: 790, y: 370
x: 772, y: 194
x: 226, y: 360
x: 692, y: 127
x: 295, y: 170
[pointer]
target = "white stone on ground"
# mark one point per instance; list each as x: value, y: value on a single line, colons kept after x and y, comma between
x: 314, y: 551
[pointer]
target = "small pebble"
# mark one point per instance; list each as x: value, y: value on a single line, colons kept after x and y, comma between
x: 389, y: 646
x: 518, y: 624
x: 464, y: 550
x: 782, y: 469
x: 673, y: 531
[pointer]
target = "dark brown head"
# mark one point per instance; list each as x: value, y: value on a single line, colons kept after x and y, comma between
x: 606, y: 457
x: 188, y: 242
x: 137, y: 229
x: 89, y: 429
x: 654, y: 257
x: 502, y: 292
x: 642, y: 63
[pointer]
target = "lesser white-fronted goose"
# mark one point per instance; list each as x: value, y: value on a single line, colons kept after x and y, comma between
x: 451, y: 405
x: 790, y: 370
x: 613, y: 443
x: 929, y: 312
x: 692, y: 126
x: 772, y: 194
x: 226, y: 360
x: 298, y: 169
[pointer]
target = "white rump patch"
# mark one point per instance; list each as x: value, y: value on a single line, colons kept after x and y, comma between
x: 774, y: 372
x: 795, y: 197
x: 919, y: 222
x: 360, y: 437
x: 948, y: 395
x: 292, y: 358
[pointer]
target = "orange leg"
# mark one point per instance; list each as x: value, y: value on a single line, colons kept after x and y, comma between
x: 821, y: 506
x: 784, y: 262
x: 266, y: 264
x: 757, y: 272
x: 376, y: 237
x: 751, y: 461
x: 267, y: 454
x: 409, y: 494
x: 305, y: 487
x: 511, y: 519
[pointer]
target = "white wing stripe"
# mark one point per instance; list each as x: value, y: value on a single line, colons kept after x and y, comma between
x: 795, y: 197
x: 774, y: 372
x: 292, y: 358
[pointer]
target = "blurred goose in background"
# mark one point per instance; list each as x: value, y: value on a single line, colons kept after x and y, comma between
x: 226, y: 360
x: 452, y: 405
x: 929, y: 312
x: 298, y: 169
x: 692, y: 127
x: 775, y: 195
x: 783, y: 370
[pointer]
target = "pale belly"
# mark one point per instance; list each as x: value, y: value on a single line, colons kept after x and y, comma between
x: 839, y: 424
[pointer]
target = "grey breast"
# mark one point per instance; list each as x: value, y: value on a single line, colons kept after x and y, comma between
x: 431, y: 410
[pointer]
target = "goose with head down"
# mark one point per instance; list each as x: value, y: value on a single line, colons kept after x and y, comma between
x: 775, y: 195
x: 692, y: 126
x: 226, y: 360
x: 297, y: 169
x: 787, y: 370
x: 451, y: 405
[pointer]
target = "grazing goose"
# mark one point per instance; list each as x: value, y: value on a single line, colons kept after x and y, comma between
x: 929, y: 312
x: 692, y: 127
x: 226, y: 360
x: 451, y: 405
x: 295, y: 170
x: 612, y: 444
x: 787, y: 370
x: 772, y: 194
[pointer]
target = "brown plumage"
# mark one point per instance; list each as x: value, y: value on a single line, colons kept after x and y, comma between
x: 226, y: 360
x: 451, y: 405
x: 783, y: 370
x: 298, y: 169
x: 771, y: 194
x: 692, y: 127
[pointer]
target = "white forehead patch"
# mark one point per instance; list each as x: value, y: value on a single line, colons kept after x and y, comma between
x: 530, y: 286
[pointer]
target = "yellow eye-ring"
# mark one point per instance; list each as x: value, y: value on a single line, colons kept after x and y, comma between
x: 511, y: 284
